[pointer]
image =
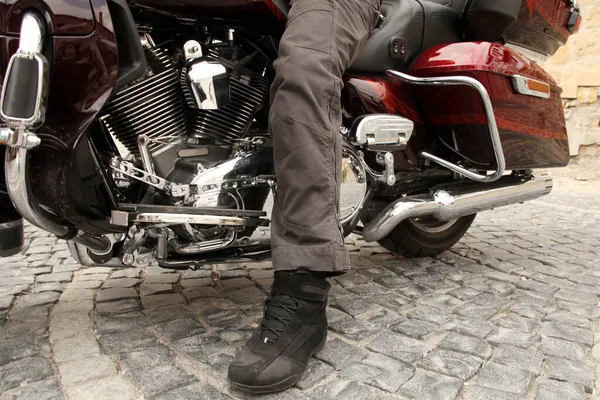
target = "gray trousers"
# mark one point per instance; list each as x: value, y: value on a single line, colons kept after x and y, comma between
x: 321, y: 40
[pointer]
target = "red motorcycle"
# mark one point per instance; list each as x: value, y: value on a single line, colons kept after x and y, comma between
x: 137, y: 130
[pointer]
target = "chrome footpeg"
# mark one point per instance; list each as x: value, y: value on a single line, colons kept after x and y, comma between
x: 25, y: 86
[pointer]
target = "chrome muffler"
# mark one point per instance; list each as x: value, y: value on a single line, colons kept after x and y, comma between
x: 24, y: 110
x: 451, y: 201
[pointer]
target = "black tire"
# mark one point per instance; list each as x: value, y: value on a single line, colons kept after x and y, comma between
x: 410, y: 241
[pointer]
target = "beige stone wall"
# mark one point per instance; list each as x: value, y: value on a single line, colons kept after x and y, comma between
x: 576, y: 67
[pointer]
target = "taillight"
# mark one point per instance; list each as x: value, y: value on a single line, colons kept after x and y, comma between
x: 574, y: 21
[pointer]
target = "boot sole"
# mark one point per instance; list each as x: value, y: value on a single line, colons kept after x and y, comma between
x: 279, y: 386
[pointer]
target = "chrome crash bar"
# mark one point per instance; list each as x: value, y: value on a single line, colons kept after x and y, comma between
x: 489, y: 114
x: 19, y: 139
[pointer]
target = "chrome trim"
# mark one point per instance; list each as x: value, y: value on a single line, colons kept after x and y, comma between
x: 491, y: 120
x: 521, y: 86
x: 382, y: 130
x: 16, y: 184
x: 449, y: 202
x: 192, y: 50
x: 176, y: 219
x: 529, y: 54
x: 143, y: 143
x: 33, y: 29
x: 209, y: 245
x: 128, y: 169
x: 209, y: 83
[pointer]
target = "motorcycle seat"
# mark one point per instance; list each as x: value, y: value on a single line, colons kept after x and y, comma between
x: 410, y: 27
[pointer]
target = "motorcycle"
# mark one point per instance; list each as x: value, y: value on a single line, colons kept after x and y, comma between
x: 137, y: 130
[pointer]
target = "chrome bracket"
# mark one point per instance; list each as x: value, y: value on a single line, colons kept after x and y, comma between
x: 128, y: 169
x: 19, y: 138
x: 489, y: 113
x: 387, y: 160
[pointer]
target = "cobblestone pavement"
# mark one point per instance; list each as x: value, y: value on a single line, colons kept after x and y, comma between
x: 511, y: 312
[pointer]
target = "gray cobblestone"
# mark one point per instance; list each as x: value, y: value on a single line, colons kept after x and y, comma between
x: 56, y: 277
x: 518, y: 358
x: 427, y: 385
x: 451, y: 363
x: 38, y: 299
x: 553, y: 390
x: 475, y: 328
x: 116, y: 294
x: 563, y: 349
x: 103, y: 389
x: 81, y: 371
x: 316, y: 371
x: 196, y: 391
x: 380, y: 371
x: 570, y: 371
x: 118, y: 307
x: 28, y: 370
x: 340, y: 354
x: 567, y: 332
x: 75, y: 348
x: 397, y: 346
x: 47, y: 389
x: 467, y: 344
x: 114, y: 343
x: 496, y: 376
x: 476, y: 392
x: 416, y: 328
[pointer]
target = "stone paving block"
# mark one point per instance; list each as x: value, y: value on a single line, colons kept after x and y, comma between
x: 162, y: 300
x: 13, y: 289
x: 397, y: 346
x: 315, y: 372
x: 66, y: 268
x: 196, y: 391
x: 427, y: 385
x: 379, y: 371
x: 518, y: 358
x: 84, y: 285
x: 153, y: 370
x: 529, y: 311
x: 120, y: 283
x: 6, y: 302
x: 563, y: 349
x: 390, y: 301
x: 204, y: 347
x: 75, y: 348
x: 476, y: 392
x: 570, y: 371
x: 588, y: 311
x: 568, y: 318
x: 511, y: 337
x: 165, y: 314
x: 466, y: 344
x: 162, y: 278
x: 181, y: 328
x: 46, y: 389
x: 469, y: 327
x: 126, y: 273
x: 567, y: 332
x: 103, y: 389
x: 476, y: 311
x: 200, y: 293
x: 555, y: 390
x: 77, y: 295
x: 56, y: 277
x: 353, y: 329
x: 496, y: 376
x: 201, y: 273
x: 195, y: 283
x: 517, y: 323
x: 48, y: 287
x: 451, y: 363
x: 341, y: 389
x: 120, y: 342
x: 155, y: 288
x: 66, y: 325
x: 30, y: 369
x: 96, y: 270
x: 38, y: 299
x: 118, y: 307
x: 116, y: 294
x: 82, y: 306
x: 416, y: 328
x: 577, y: 296
x: 85, y: 370
x: 430, y: 314
x: 15, y: 349
x: 353, y: 305
x: 340, y: 354
x: 89, y: 277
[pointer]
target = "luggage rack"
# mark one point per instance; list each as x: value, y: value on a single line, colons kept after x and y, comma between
x: 489, y: 114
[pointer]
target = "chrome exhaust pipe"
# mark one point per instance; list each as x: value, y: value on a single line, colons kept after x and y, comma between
x: 448, y: 202
x: 19, y: 137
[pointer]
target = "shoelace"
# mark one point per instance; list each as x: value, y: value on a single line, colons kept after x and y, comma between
x: 277, y: 311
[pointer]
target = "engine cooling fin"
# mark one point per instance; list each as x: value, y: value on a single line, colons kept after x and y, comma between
x: 153, y: 106
x: 248, y: 95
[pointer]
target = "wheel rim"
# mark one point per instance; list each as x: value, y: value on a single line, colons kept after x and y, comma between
x: 431, y: 224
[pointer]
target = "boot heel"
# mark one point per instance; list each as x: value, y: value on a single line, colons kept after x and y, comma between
x: 320, y: 346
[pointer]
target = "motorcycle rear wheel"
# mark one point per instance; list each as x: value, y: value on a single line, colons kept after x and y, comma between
x: 425, y: 237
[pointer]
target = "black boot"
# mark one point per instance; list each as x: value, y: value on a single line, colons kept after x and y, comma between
x: 294, y: 327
